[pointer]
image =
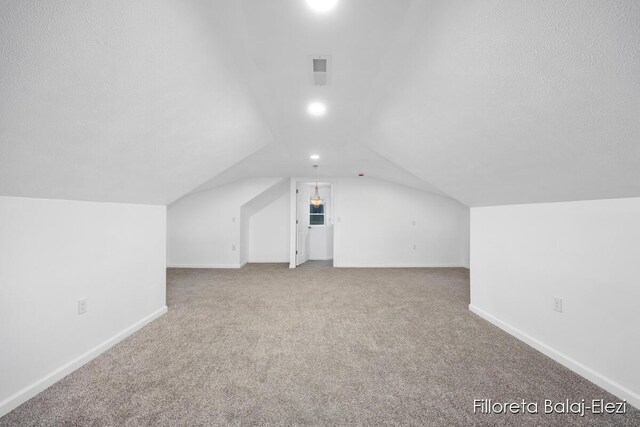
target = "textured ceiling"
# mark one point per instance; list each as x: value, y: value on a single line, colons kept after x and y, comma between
x: 515, y: 102
x: 123, y: 101
x: 488, y: 102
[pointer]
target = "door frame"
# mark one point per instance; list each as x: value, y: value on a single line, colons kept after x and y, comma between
x: 293, y: 230
x: 303, y: 229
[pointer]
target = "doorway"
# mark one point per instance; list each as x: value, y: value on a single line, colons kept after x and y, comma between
x: 314, y: 222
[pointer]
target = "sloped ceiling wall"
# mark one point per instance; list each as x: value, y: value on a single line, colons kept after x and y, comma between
x: 515, y: 101
x: 122, y: 101
x: 489, y: 102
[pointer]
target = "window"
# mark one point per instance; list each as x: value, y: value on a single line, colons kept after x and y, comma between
x: 316, y: 215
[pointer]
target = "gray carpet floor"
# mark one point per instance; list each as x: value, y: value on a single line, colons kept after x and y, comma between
x: 315, y: 346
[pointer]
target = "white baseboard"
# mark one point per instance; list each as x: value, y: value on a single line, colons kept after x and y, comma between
x: 262, y: 261
x: 611, y: 386
x: 356, y: 265
x: 30, y: 391
x: 204, y: 266
x: 334, y: 264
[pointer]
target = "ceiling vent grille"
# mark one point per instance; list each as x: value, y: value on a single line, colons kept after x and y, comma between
x: 320, y: 67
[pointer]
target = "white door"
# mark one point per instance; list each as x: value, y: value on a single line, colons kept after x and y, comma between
x: 302, y: 221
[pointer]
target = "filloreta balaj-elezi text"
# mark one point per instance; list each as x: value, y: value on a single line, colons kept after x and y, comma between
x: 548, y: 406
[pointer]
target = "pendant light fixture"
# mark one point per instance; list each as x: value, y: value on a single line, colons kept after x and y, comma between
x: 316, y: 200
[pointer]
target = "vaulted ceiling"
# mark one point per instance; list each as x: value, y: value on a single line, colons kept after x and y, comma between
x: 122, y: 101
x: 487, y: 102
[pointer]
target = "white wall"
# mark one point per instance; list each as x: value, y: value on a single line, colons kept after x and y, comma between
x: 585, y: 252
x: 375, y: 229
x: 204, y: 228
x: 374, y: 226
x: 269, y: 232
x: 321, y: 242
x: 251, y: 208
x: 54, y: 252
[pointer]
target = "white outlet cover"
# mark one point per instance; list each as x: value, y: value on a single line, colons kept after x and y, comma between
x: 557, y: 304
x: 82, y: 306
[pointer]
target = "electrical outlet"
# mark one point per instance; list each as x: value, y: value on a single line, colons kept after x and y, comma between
x: 82, y: 306
x: 557, y: 304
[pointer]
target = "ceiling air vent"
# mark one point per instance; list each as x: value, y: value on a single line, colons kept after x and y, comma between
x: 320, y: 65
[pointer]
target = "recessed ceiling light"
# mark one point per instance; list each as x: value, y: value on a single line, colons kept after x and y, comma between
x: 314, y: 157
x: 317, y: 109
x: 322, y: 5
